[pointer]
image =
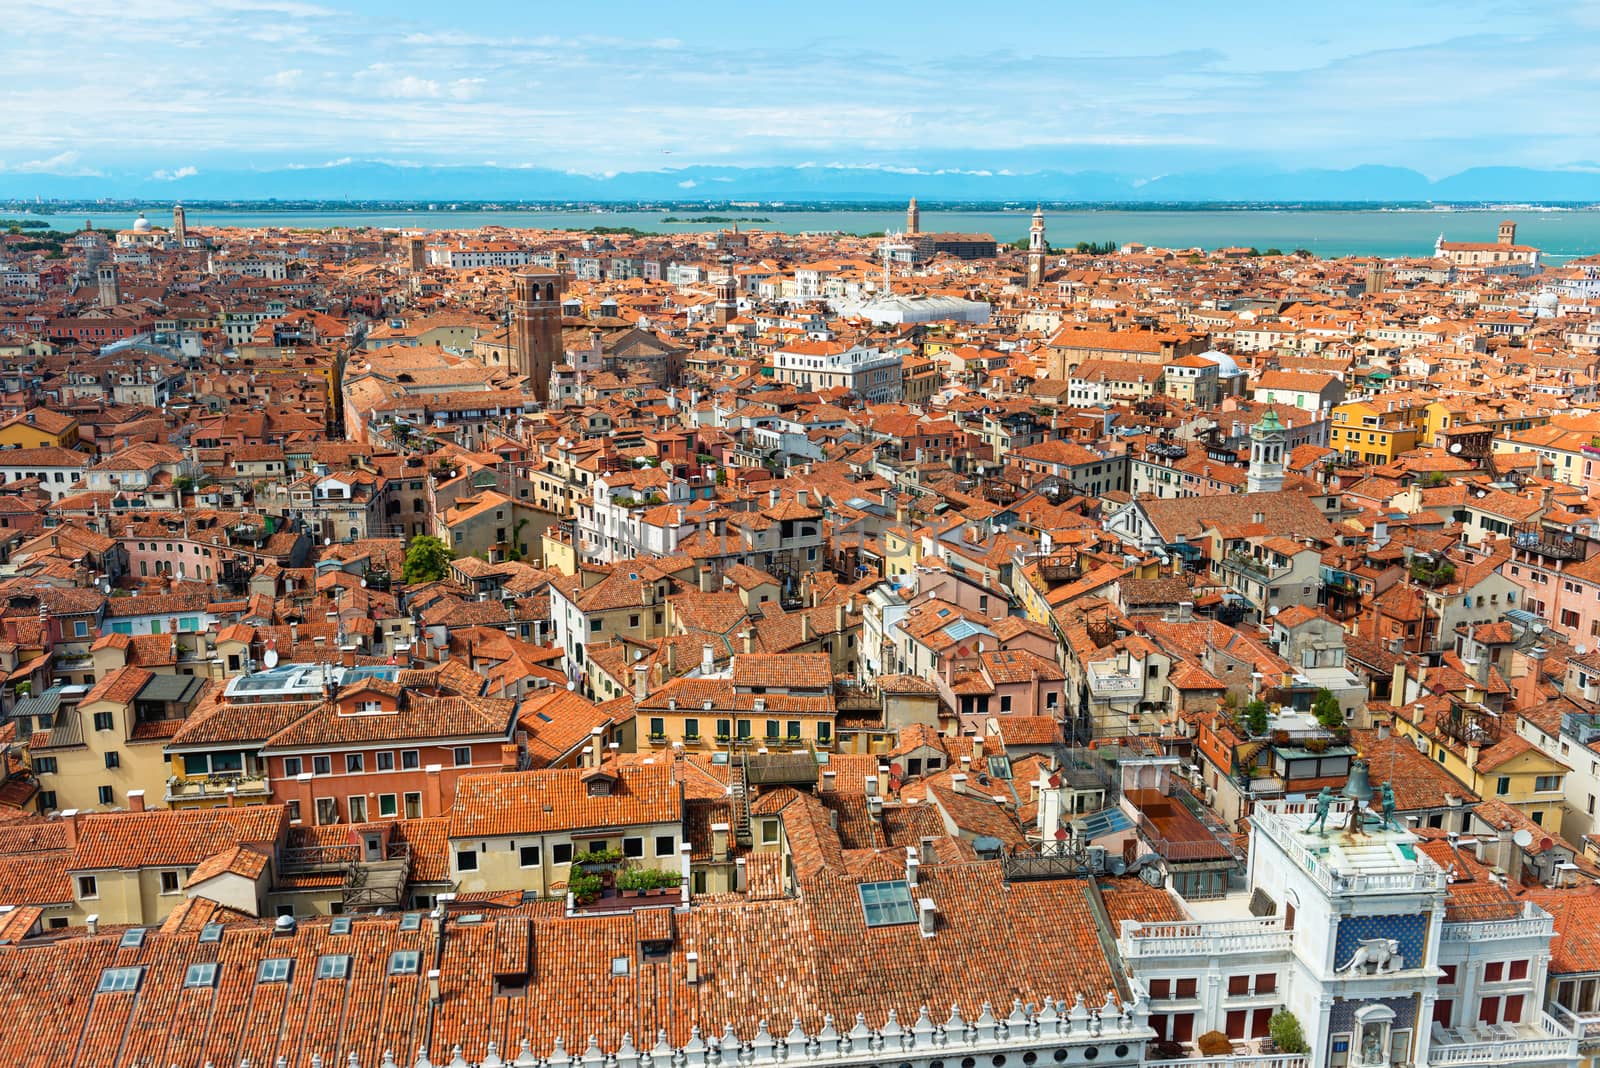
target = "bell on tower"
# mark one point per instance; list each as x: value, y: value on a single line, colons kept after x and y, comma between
x: 1358, y: 788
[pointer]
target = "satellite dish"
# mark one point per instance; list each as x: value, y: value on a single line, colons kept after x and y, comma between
x: 327, y: 541
x: 270, y: 658
x: 572, y: 684
x: 1275, y: 609
x: 1456, y: 447
x: 1523, y: 838
x: 1421, y: 743
x: 363, y: 583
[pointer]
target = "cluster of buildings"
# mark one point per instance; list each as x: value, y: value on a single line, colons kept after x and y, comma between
x: 511, y: 647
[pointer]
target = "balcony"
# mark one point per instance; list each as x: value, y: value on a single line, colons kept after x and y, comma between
x: 182, y: 789
x: 1525, y: 1043
x: 1486, y: 922
x: 1246, y: 1059
x: 1553, y: 544
x: 1141, y: 941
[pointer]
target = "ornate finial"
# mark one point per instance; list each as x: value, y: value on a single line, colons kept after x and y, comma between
x: 491, y: 1059
x: 525, y: 1057
x: 422, y: 1058
x: 388, y: 1058
x: 457, y: 1060
x: 352, y: 1060
x: 316, y: 1061
x: 797, y: 1037
x: 955, y: 1025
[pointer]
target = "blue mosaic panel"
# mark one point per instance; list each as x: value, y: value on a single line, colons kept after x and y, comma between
x: 1342, y: 1017
x: 1409, y: 931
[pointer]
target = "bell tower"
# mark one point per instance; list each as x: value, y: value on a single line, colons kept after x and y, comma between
x: 180, y: 225
x: 106, y: 277
x: 1508, y: 232
x: 913, y: 219
x: 1267, y: 440
x: 1038, y: 249
x: 536, y: 325
x: 727, y: 305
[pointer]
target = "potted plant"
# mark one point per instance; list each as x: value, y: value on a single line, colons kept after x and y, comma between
x: 584, y: 888
x: 597, y: 860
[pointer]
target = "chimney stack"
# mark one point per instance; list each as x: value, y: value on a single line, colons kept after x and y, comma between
x: 927, y: 916
x: 719, y: 841
x: 927, y: 848
x: 135, y: 800
x: 708, y: 662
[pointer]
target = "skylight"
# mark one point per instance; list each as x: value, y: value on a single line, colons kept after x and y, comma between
x: 200, y: 975
x: 211, y: 932
x: 404, y: 962
x: 340, y: 925
x: 333, y: 966
x: 132, y: 938
x: 887, y: 904
x: 275, y: 970
x: 118, y: 979
x: 411, y: 921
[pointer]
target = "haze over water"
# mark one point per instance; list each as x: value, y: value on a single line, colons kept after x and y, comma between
x: 1562, y: 234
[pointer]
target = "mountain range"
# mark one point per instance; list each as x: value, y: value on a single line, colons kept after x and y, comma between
x: 375, y: 180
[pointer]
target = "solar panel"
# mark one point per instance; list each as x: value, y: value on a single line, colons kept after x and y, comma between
x: 888, y: 903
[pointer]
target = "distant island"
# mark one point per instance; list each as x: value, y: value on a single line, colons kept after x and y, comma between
x: 716, y: 219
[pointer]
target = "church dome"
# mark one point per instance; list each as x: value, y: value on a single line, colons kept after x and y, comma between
x: 1227, y: 367
x: 141, y: 224
x: 1548, y: 300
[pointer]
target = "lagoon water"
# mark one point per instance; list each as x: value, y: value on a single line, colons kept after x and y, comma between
x: 1562, y: 234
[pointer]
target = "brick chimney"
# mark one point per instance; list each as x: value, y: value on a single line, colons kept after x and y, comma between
x: 135, y: 800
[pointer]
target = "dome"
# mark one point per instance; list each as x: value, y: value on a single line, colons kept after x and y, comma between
x: 1548, y: 300
x: 1226, y: 366
x: 141, y: 224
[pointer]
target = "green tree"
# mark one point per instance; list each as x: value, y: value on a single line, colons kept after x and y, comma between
x: 1255, y: 717
x: 1284, y: 1027
x: 1274, y: 252
x: 1326, y: 708
x: 427, y: 559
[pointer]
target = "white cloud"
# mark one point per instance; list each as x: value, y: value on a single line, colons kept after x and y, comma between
x: 62, y: 163
x: 286, y: 79
x: 688, y: 183
x: 172, y: 176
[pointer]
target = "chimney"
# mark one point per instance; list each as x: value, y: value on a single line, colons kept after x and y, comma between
x: 433, y: 790
x: 838, y: 618
x: 91, y: 923
x: 708, y: 663
x: 691, y: 968
x: 883, y: 780
x: 347, y: 656
x: 707, y: 584
x: 870, y: 785
x: 927, y: 916
x: 1383, y: 729
x: 1528, y: 686
x: 912, y: 864
x: 927, y: 846
x: 800, y: 497
x: 805, y: 627
x: 641, y: 681
x: 958, y: 782
x: 597, y: 739
x: 69, y: 825
x: 829, y: 779
x: 135, y: 800
x: 739, y: 876
x: 719, y: 841
x: 749, y: 642
x: 1510, y: 855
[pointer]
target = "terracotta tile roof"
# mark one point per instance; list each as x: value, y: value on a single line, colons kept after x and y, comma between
x: 171, y: 838
x: 558, y: 799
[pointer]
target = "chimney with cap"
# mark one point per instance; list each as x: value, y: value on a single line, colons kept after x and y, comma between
x: 927, y: 916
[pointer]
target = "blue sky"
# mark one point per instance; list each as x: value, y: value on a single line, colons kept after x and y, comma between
x: 172, y: 87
